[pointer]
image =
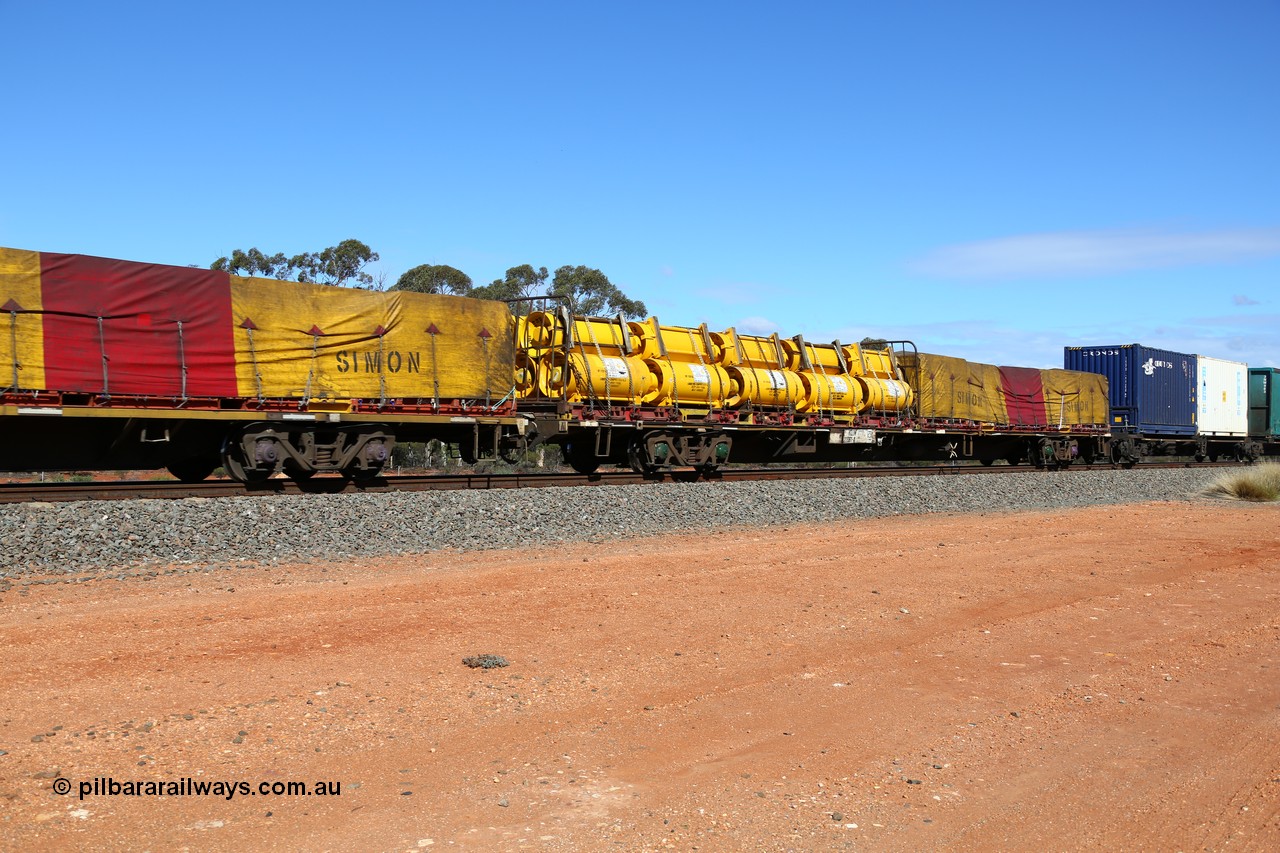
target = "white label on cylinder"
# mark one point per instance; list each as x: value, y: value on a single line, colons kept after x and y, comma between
x: 616, y: 368
x: 777, y: 380
x: 893, y: 388
x: 700, y: 374
x: 839, y: 385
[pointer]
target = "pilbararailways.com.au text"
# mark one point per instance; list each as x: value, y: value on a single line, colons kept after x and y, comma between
x: 106, y: 786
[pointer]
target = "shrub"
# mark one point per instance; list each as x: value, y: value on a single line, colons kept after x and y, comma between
x: 1258, y: 483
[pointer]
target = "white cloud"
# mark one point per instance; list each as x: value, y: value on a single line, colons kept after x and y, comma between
x: 757, y: 326
x: 1065, y: 253
x: 1241, y: 299
x: 667, y: 271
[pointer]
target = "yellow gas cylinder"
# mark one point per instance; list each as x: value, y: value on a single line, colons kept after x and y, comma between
x: 677, y: 343
x: 546, y: 331
x: 819, y: 358
x: 757, y: 351
x: 830, y: 392
x: 522, y: 334
x: 687, y: 384
x: 590, y: 376
x: 871, y: 362
x: 540, y: 328
x: 527, y: 369
x: 763, y: 387
x: 824, y: 373
x: 885, y: 395
x: 726, y: 344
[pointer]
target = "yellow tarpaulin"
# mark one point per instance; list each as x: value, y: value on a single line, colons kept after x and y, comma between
x: 21, y: 320
x: 323, y: 342
x: 954, y: 388
x: 1072, y: 397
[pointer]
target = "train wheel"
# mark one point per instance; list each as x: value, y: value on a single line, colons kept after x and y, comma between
x: 266, y: 460
x: 370, y: 461
x: 582, y: 458
x: 638, y: 458
x: 192, y: 470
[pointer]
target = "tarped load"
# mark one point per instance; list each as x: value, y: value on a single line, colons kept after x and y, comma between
x: 1026, y: 397
x: 117, y: 328
x: 1073, y: 398
x: 318, y: 341
x: 955, y: 389
x: 1023, y: 392
x: 85, y: 325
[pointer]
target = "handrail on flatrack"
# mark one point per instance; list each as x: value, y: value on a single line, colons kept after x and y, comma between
x: 913, y: 382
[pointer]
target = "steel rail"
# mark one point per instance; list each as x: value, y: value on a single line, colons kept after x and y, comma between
x: 174, y: 490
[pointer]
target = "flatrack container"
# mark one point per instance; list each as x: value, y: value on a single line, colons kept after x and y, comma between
x: 1152, y: 391
x: 1222, y: 397
x: 1264, y: 403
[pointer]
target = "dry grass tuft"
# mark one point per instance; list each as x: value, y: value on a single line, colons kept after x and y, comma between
x: 1259, y: 483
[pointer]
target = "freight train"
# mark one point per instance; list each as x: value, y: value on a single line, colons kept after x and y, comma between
x: 121, y: 365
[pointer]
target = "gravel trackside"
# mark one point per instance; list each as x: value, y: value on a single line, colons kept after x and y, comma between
x: 95, y: 537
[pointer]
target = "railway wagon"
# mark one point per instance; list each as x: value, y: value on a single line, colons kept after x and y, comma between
x: 651, y: 395
x: 1027, y: 414
x: 117, y: 364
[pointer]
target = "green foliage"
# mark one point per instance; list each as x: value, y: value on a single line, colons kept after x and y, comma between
x: 433, y: 278
x: 873, y: 343
x: 254, y: 262
x: 520, y: 282
x: 337, y: 265
x: 591, y: 294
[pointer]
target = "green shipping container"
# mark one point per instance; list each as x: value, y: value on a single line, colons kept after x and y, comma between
x: 1264, y: 402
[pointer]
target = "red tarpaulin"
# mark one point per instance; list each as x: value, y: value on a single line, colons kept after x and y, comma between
x: 149, y: 320
x: 1024, y: 395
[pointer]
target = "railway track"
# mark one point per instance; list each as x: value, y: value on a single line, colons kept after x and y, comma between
x: 173, y: 490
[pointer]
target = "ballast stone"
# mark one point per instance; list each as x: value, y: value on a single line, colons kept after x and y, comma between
x: 76, y: 538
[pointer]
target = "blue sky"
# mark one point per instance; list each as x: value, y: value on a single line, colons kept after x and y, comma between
x: 989, y: 179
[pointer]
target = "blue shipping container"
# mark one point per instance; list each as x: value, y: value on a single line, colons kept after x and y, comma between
x: 1152, y: 391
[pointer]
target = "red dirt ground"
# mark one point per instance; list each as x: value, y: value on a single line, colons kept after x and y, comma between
x: 1090, y: 679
